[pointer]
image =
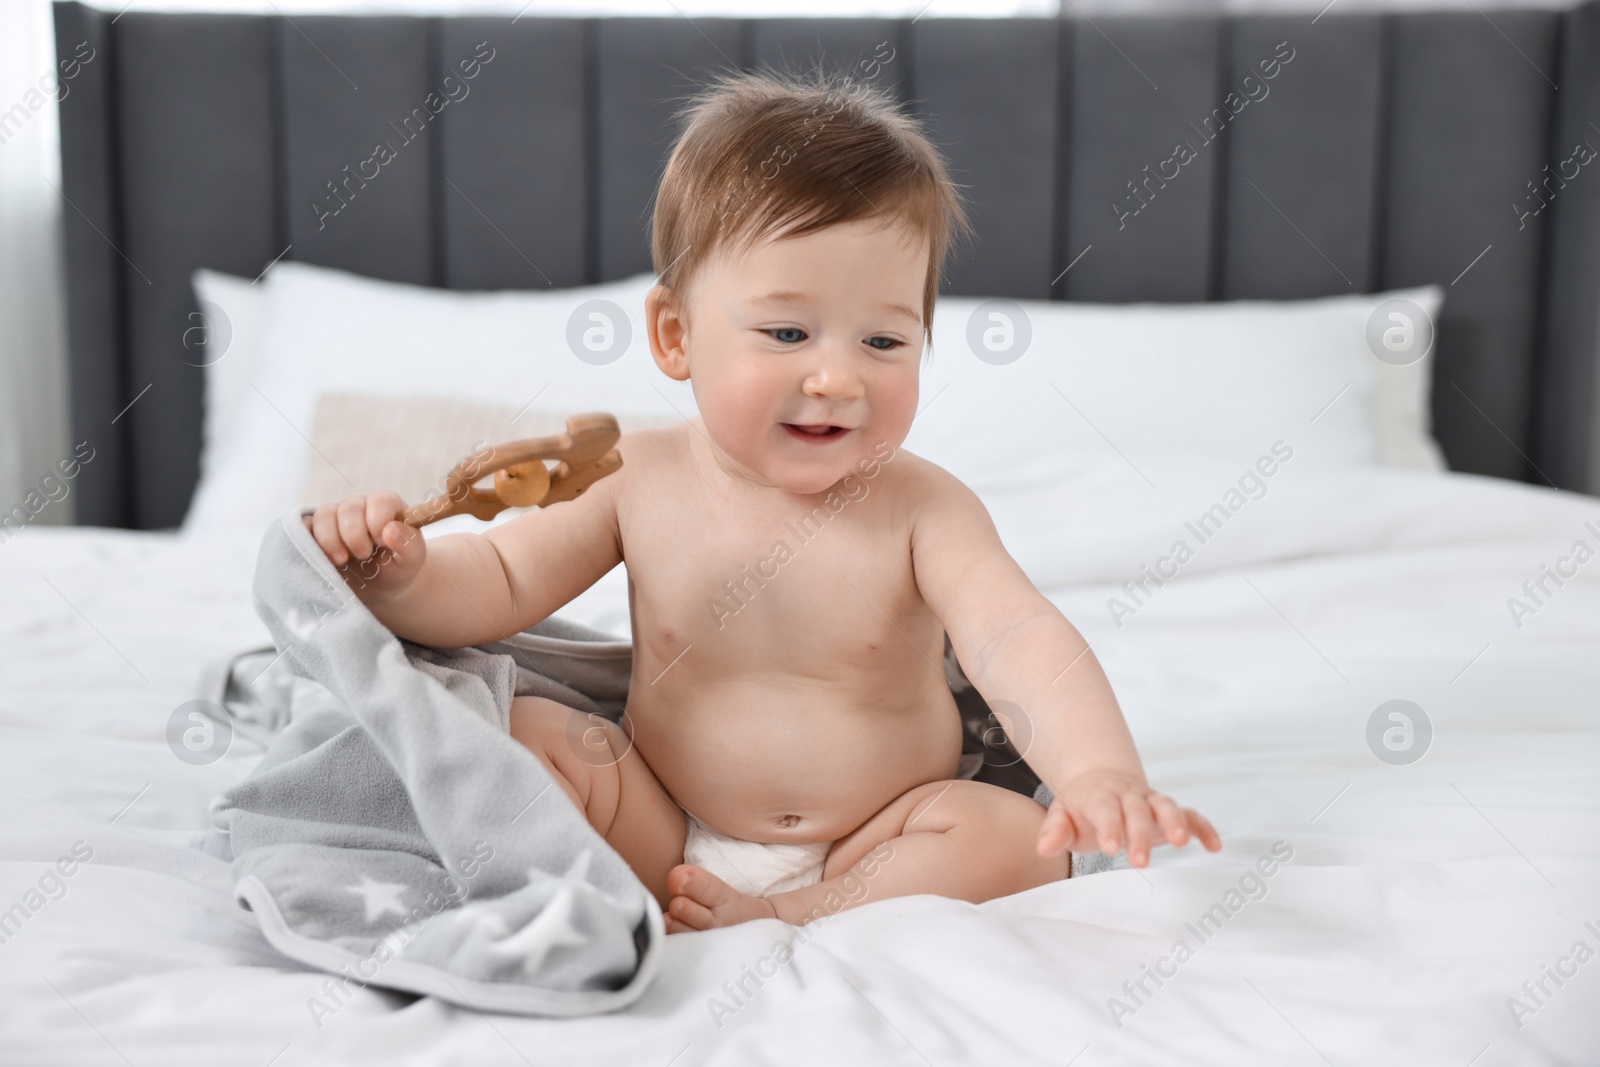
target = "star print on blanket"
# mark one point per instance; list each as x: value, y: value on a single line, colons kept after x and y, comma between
x: 380, y: 897
x: 395, y: 834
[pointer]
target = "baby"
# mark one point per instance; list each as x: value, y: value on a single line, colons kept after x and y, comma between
x: 792, y: 746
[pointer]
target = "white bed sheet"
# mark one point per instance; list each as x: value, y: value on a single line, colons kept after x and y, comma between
x: 1418, y: 901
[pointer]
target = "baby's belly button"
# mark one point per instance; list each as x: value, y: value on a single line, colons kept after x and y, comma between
x: 763, y: 777
x: 792, y: 818
x: 743, y: 815
x: 791, y: 827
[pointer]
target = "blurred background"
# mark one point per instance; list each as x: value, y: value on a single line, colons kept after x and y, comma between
x: 34, y: 422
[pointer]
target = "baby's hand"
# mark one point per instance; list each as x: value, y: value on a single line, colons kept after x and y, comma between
x: 1102, y: 811
x: 377, y: 553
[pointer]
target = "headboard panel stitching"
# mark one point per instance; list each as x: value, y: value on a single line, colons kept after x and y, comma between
x: 1518, y: 342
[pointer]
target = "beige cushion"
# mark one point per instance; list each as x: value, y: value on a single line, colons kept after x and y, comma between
x: 364, y: 442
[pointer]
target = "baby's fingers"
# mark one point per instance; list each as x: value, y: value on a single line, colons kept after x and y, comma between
x: 325, y: 527
x: 1136, y: 813
x: 1057, y: 831
x: 381, y: 510
x: 1170, y: 816
x: 1203, y: 830
x: 1105, y: 815
x: 353, y: 527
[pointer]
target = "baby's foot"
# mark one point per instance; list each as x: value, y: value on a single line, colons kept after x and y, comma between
x: 701, y: 900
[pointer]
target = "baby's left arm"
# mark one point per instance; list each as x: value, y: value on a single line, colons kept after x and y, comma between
x: 1016, y: 646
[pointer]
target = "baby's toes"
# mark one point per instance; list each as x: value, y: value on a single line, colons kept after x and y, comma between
x: 703, y: 900
x: 699, y: 885
x: 690, y: 915
x: 676, y: 927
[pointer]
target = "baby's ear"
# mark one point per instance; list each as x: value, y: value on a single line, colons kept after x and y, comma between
x: 667, y: 330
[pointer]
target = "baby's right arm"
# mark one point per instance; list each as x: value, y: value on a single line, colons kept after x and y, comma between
x: 468, y: 589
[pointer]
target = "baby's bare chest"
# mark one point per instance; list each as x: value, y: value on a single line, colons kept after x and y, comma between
x: 817, y: 588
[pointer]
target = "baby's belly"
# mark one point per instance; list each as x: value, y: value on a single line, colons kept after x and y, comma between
x: 792, y: 760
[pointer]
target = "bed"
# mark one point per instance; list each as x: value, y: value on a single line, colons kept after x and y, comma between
x: 1401, y: 883
x: 1418, y: 901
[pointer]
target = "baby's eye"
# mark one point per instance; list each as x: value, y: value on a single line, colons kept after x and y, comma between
x: 796, y: 334
x: 889, y: 343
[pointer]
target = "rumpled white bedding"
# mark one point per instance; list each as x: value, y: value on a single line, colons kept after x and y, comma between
x: 1443, y: 912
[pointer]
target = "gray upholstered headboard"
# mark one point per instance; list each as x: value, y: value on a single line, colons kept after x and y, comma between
x: 1391, y: 150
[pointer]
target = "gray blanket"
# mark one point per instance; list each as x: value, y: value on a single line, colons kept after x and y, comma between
x: 395, y: 834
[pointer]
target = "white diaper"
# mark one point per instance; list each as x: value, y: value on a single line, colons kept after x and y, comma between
x: 759, y: 868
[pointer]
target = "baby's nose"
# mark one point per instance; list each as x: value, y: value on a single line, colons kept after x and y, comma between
x: 834, y: 376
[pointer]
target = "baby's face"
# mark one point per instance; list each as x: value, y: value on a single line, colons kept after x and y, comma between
x: 804, y: 352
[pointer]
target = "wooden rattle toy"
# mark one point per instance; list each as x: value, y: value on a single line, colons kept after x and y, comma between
x: 584, y: 455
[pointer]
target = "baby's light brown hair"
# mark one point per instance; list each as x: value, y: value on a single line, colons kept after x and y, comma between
x: 763, y: 152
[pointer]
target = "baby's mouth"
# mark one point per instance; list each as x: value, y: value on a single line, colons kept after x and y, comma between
x: 815, y: 434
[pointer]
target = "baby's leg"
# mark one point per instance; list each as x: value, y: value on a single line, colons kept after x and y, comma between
x: 594, y: 762
x: 962, y: 839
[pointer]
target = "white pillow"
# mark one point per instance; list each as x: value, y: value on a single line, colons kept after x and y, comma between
x: 330, y: 331
x: 233, y: 309
x: 1152, y: 383
x: 1147, y: 384
x: 1404, y: 408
